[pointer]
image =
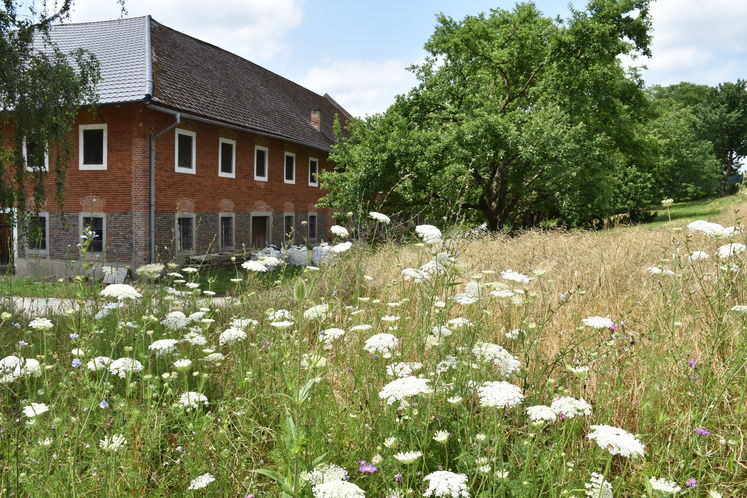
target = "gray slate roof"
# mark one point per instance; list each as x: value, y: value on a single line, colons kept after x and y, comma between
x: 186, y: 74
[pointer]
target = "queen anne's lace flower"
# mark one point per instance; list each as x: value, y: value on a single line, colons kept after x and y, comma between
x: 152, y: 270
x: 339, y: 231
x: 35, y: 409
x: 729, y: 250
x: 341, y: 247
x: 515, y: 276
x: 709, y: 228
x: 99, y: 363
x: 569, y: 407
x: 254, y: 266
x: 697, y: 255
x: 415, y: 275
x: 231, y: 335
x: 381, y: 218
x: 120, y: 292
x: 41, y: 324
x: 407, y: 457
x: 493, y: 353
x: 328, y: 336
x: 324, y: 473
x: 615, y: 440
x: 598, y: 322
x: 175, y: 320
x: 499, y: 394
x: 164, y: 347
x: 429, y: 234
x: 664, y: 486
x: 192, y: 400
x: 14, y: 367
x: 122, y: 366
x: 318, y: 312
x: 382, y: 344
x: 403, y: 388
x: 541, y: 413
x: 598, y: 487
x: 113, y: 443
x: 200, y: 482
x: 337, y: 489
x: 446, y: 484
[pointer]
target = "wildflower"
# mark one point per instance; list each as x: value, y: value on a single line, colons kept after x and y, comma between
x: 664, y: 486
x: 515, y: 276
x: 339, y: 231
x: 615, y: 440
x: 122, y: 366
x: 499, y: 394
x: 182, y: 364
x: 691, y: 363
x: 151, y: 271
x: 104, y: 405
x: 313, y: 360
x: 598, y: 487
x: 98, y: 363
x: 366, y: 468
x: 739, y: 307
x: 269, y: 262
x: 697, y: 255
x: 408, y: 457
x: 189, y: 269
x: 175, y: 320
x: 415, y: 275
x: 164, y: 347
x: 112, y: 443
x: 214, y: 358
x: 667, y: 202
x: 655, y: 270
x: 75, y: 363
x: 200, y: 482
x: 284, y: 324
x: 541, y: 413
x: 506, y: 362
x: 328, y: 336
x: 702, y: 431
x: 403, y: 388
x: 429, y: 234
x: 729, y: 250
x: 382, y: 344
x: 254, y: 266
x: 459, y: 322
x: 706, y: 227
x: 381, y: 218
x: 337, y: 489
x: 318, y: 312
x: 691, y: 483
x: 598, y: 322
x: 231, y: 335
x: 402, y: 369
x: 341, y: 247
x: 324, y: 473
x: 446, y: 484
x: 243, y: 323
x: 441, y: 436
x: 13, y: 367
x: 192, y: 400
x: 120, y: 292
x: 195, y: 339
x: 41, y: 324
x: 364, y: 326
x: 34, y: 409
x: 569, y: 407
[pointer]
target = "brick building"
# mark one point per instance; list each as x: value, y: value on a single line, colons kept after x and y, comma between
x: 190, y: 150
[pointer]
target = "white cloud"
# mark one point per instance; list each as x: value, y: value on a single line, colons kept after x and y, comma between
x: 698, y: 41
x: 257, y: 30
x: 361, y: 87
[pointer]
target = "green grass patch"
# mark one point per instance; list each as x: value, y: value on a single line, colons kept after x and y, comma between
x: 685, y: 212
x: 33, y: 287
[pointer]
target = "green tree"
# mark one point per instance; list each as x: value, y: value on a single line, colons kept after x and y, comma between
x: 41, y: 90
x: 517, y: 118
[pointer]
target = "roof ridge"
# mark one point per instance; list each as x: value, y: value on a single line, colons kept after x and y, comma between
x: 121, y: 19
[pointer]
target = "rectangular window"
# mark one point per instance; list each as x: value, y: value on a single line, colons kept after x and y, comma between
x: 35, y: 156
x: 94, y: 225
x: 312, y: 227
x: 290, y: 167
x: 185, y: 233
x: 185, y: 152
x: 227, y: 158
x: 313, y: 172
x: 288, y: 224
x: 92, y: 147
x: 36, y: 234
x: 226, y: 231
x: 260, y: 163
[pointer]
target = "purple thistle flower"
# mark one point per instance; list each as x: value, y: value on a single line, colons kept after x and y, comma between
x: 691, y: 483
x: 366, y: 468
x: 702, y: 431
x: 398, y: 477
x: 691, y: 363
x: 614, y: 327
x: 562, y: 416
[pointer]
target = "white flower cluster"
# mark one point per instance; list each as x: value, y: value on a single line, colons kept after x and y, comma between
x: 382, y: 344
x: 324, y: 472
x: 200, y: 482
x: 569, y: 407
x: 338, y: 489
x: 318, y: 312
x: 713, y: 229
x: 515, y: 276
x: 123, y: 366
x: 164, y: 347
x: 120, y: 292
x: 14, y: 367
x: 598, y: 487
x: 175, y: 320
x: 328, y: 336
x: 615, y: 440
x: 151, y: 271
x: 429, y: 234
x: 403, y: 369
x: 407, y: 457
x: 541, y: 413
x: 664, y: 486
x: 34, y: 409
x: 507, y: 363
x: 252, y: 265
x: 191, y: 400
x: 499, y: 394
x: 339, y: 231
x: 113, y: 443
x: 446, y: 484
x: 381, y: 218
x: 41, y: 324
x: 598, y: 322
x: 403, y: 388
x: 729, y: 250
x: 698, y: 255
x: 231, y: 335
x: 341, y: 247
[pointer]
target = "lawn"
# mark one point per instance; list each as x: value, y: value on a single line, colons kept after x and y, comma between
x: 546, y: 364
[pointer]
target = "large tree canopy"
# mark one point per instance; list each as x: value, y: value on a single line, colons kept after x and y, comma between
x: 516, y: 118
x: 41, y: 90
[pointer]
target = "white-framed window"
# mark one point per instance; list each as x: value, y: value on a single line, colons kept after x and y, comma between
x: 289, y: 223
x: 92, y: 146
x: 35, y: 156
x: 313, y: 172
x: 95, y: 225
x: 227, y: 158
x: 289, y: 167
x: 185, y: 232
x: 261, y: 163
x: 37, y: 234
x: 312, y: 226
x: 185, y: 151
x: 226, y: 232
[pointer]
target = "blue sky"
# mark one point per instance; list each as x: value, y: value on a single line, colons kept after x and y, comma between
x: 358, y: 50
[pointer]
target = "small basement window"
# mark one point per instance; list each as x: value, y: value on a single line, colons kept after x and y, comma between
x: 92, y: 147
x: 312, y: 227
x: 289, y: 221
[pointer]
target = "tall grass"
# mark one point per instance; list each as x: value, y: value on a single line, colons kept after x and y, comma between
x: 281, y: 401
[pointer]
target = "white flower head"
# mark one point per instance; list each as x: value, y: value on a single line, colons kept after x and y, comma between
x: 729, y: 250
x: 328, y: 336
x: 337, y: 489
x: 113, y: 443
x: 341, y: 247
x: 541, y: 413
x: 403, y: 388
x: 499, y: 394
x: 698, y: 255
x: 568, y: 407
x: 191, y: 400
x: 407, y: 457
x: 598, y: 322
x: 598, y: 487
x: 175, y: 320
x: 441, y: 436
x: 200, y: 482
x: 324, y: 473
x: 34, y: 409
x: 122, y: 366
x: 41, y: 323
x: 164, y: 347
x: 429, y: 234
x: 381, y: 218
x: 615, y: 440
x: 318, y: 312
x: 443, y: 483
x: 664, y: 486
x: 492, y: 353
x: 254, y: 266
x: 151, y: 271
x: 339, y: 231
x: 120, y: 292
x: 231, y: 335
x: 515, y: 276
x: 383, y: 344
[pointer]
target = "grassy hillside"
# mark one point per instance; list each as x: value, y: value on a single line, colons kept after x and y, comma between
x: 582, y: 327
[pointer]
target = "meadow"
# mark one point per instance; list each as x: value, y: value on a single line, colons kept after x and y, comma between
x: 608, y: 363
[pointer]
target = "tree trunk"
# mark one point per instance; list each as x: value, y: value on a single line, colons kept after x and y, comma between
x: 726, y: 173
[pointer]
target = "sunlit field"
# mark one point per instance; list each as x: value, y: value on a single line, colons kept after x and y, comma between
x: 599, y: 364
